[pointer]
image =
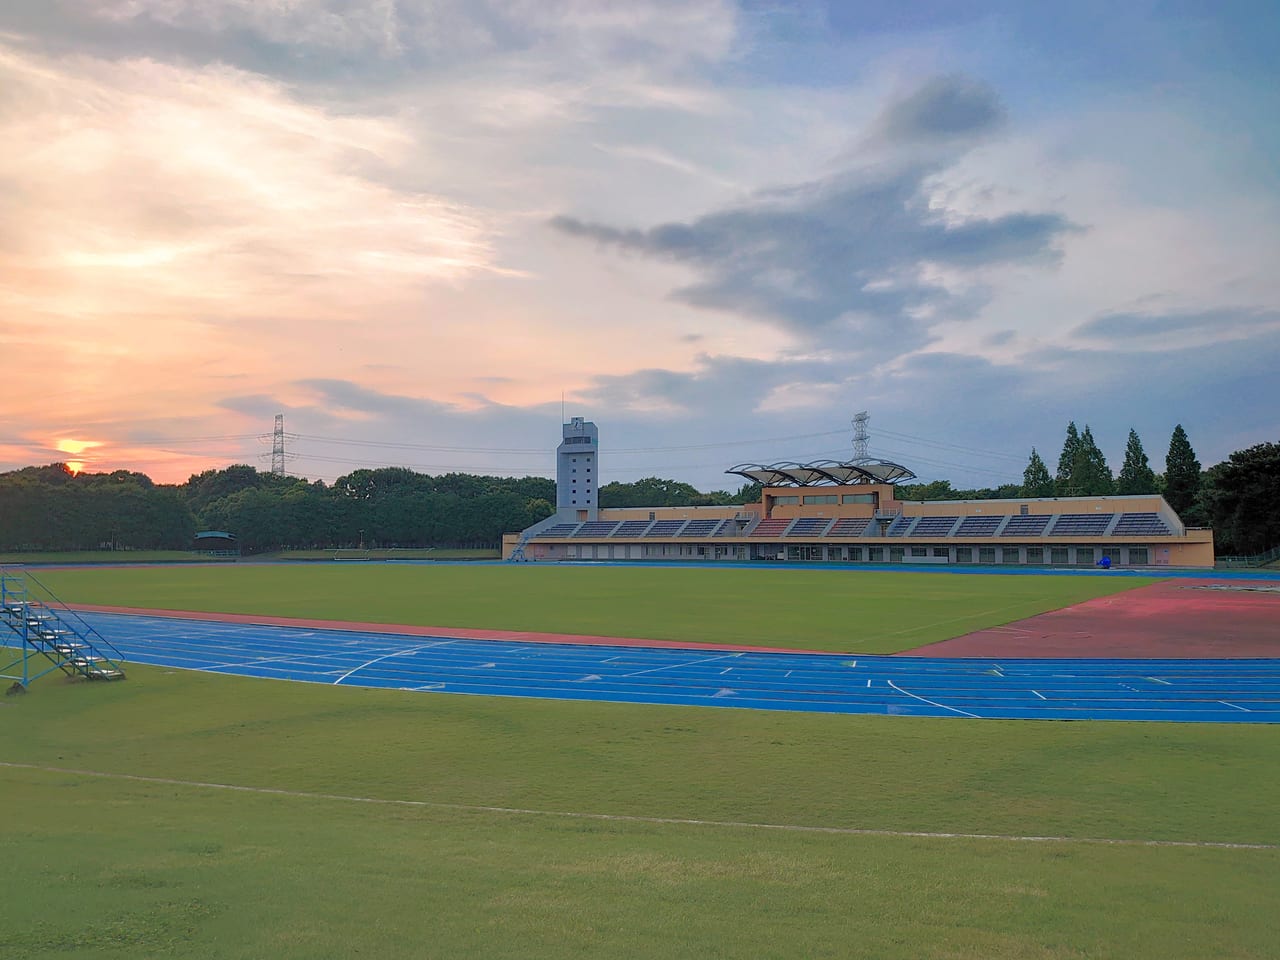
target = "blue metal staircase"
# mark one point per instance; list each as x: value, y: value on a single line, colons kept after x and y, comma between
x: 46, y: 635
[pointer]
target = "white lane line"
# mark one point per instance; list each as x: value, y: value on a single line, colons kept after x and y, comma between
x: 1245, y: 709
x: 250, y: 663
x: 684, y: 663
x: 631, y: 818
x: 1039, y: 694
x: 396, y: 653
x: 1158, y: 680
x: 934, y: 703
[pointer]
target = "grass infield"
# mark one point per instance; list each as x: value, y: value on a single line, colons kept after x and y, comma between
x: 177, y: 869
x: 838, y: 610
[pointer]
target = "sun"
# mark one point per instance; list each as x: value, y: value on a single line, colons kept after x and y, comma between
x: 75, y: 448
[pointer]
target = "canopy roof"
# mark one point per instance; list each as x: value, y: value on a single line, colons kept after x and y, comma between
x: 819, y: 472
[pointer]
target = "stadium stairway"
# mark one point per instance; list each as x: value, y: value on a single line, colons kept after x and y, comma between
x: 45, y: 627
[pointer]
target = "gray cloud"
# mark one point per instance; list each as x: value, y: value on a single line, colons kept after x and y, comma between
x: 943, y: 108
x: 847, y: 253
x: 1126, y: 328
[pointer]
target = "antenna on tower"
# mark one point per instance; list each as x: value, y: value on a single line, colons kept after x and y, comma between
x: 277, y: 447
x: 860, y: 435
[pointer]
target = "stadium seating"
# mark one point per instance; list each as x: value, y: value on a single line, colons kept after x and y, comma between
x: 899, y: 526
x: 809, y: 527
x: 931, y: 527
x: 664, y: 528
x: 1027, y: 526
x: 849, y: 527
x: 700, y: 528
x: 1144, y: 524
x: 596, y: 528
x: 979, y: 526
x: 1081, y: 524
x: 632, y: 528
x: 773, y: 527
x: 559, y: 530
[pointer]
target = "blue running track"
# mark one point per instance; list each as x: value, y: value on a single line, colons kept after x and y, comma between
x: 1222, y: 691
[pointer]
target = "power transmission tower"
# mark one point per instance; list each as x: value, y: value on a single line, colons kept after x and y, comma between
x: 277, y: 447
x: 860, y: 437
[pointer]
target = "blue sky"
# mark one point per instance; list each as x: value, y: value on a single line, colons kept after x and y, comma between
x: 422, y: 229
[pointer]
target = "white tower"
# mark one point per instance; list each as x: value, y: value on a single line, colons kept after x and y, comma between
x: 578, y: 471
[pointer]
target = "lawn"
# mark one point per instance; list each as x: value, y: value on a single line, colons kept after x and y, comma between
x: 184, y: 869
x: 392, y: 824
x: 821, y: 609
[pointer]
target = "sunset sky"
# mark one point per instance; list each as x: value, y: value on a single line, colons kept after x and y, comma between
x: 423, y: 229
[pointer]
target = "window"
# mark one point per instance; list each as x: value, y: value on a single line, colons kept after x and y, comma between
x: 986, y: 554
x: 858, y: 498
x: 1057, y: 554
x: 941, y: 552
x: 895, y: 554
x: 785, y: 501
x: 855, y: 553
x: 1138, y: 555
x: 1035, y: 554
x: 875, y: 553
x: 919, y: 551
x: 1009, y: 555
x: 964, y: 554
x: 822, y: 498
x: 1084, y: 556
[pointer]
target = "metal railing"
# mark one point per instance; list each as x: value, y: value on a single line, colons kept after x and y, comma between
x: 1257, y: 560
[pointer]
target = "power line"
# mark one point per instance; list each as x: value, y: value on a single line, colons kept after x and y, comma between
x: 612, y: 451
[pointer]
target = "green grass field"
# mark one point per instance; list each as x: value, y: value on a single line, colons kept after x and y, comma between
x: 105, y: 556
x: 305, y: 864
x: 820, y: 609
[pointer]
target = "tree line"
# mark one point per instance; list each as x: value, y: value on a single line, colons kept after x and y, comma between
x: 1239, y: 498
x: 50, y: 508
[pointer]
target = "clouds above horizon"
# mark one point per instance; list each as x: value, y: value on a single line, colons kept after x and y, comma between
x: 409, y: 220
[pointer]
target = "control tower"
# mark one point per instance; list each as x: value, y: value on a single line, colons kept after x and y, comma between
x: 578, y: 471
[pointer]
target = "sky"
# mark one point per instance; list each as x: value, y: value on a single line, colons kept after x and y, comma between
x: 425, y: 231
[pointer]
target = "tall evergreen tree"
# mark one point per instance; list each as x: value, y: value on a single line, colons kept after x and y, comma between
x: 1181, y: 473
x: 1092, y: 475
x: 1067, y: 461
x: 1036, y: 481
x: 1136, y: 476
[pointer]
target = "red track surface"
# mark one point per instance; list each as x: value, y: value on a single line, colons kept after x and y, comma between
x: 516, y: 636
x: 1175, y: 619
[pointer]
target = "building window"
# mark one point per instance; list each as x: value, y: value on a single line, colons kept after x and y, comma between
x: 964, y: 554
x: 941, y: 552
x: 919, y: 551
x: 858, y: 498
x: 1138, y: 555
x: 1057, y: 554
x: 855, y: 553
x: 895, y: 554
x: 785, y: 501
x: 1009, y: 555
x: 1035, y: 554
x: 1084, y: 556
x: 822, y: 498
x: 875, y: 553
x: 986, y: 554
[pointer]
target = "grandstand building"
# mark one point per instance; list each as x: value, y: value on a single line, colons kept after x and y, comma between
x: 850, y: 512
